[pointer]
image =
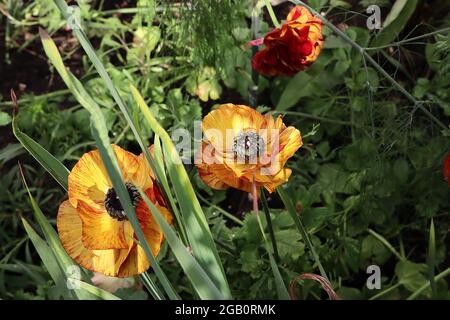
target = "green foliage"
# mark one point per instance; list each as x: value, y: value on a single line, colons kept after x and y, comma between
x: 366, y: 184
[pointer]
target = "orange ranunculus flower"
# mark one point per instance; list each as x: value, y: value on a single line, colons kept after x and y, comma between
x: 446, y: 169
x: 241, y: 146
x: 92, y: 225
x: 292, y: 47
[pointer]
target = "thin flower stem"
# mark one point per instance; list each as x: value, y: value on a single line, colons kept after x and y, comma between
x: 311, y: 116
x: 386, y: 244
x: 279, y: 283
x: 384, y: 292
x: 298, y: 223
x: 440, y: 276
x: 222, y: 211
x: 253, y: 89
x: 255, y: 208
x: 269, y: 225
x: 394, y: 44
x: 272, y: 14
x: 360, y: 49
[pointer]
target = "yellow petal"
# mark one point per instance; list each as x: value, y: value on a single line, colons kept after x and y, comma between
x: 69, y: 226
x: 137, y: 261
x: 220, y: 126
x: 101, y: 231
x: 281, y: 177
x: 89, y: 181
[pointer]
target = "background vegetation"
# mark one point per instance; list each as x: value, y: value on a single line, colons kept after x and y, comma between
x: 367, y: 183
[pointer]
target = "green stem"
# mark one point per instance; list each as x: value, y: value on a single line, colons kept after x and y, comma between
x: 279, y: 283
x: 152, y: 287
x: 313, y: 117
x: 269, y: 225
x: 253, y: 89
x: 290, y: 207
x: 272, y: 14
x: 382, y: 293
x: 386, y: 244
x: 394, y: 44
x: 42, y: 96
x: 432, y: 258
x: 440, y: 276
x: 360, y: 49
x: 225, y: 213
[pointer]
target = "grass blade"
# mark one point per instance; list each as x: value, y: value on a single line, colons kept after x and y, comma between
x: 298, y: 223
x: 438, y: 277
x: 269, y: 225
x: 48, y: 258
x: 199, y: 236
x: 203, y: 285
x: 96, y: 291
x: 110, y: 163
x: 53, y: 166
x: 431, y: 259
x: 152, y: 287
x: 100, y: 134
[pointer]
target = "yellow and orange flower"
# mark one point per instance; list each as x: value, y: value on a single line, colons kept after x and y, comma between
x: 92, y: 224
x: 292, y: 47
x: 241, y: 146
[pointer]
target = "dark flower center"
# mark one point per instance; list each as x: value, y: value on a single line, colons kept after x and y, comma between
x: 248, y: 145
x: 113, y: 205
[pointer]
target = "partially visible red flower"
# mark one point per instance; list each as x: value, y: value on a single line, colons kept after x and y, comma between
x: 292, y: 47
x: 446, y: 169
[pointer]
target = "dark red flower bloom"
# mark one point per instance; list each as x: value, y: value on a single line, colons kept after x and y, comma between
x: 292, y: 47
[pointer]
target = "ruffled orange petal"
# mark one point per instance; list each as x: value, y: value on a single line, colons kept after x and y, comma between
x: 89, y: 181
x: 290, y: 142
x: 107, y: 262
x: 137, y: 261
x: 273, y: 181
x: 223, y: 124
x: 101, y: 231
x: 229, y: 177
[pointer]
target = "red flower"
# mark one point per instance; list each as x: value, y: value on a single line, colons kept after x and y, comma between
x: 292, y: 47
x: 446, y: 169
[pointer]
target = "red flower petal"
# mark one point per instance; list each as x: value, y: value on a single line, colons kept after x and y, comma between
x: 446, y: 169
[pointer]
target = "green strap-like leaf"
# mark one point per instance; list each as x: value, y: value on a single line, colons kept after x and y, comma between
x: 48, y: 258
x: 53, y: 166
x: 199, y: 235
x: 198, y: 277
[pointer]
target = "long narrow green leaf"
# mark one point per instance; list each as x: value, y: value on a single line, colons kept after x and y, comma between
x: 64, y: 261
x: 152, y: 287
x: 53, y: 166
x: 100, y: 133
x: 438, y: 277
x: 159, y: 165
x: 110, y: 162
x: 98, y: 292
x: 206, y: 252
x: 298, y: 223
x: 48, y: 258
x: 198, y: 277
x: 87, y: 46
x: 279, y: 283
x: 200, y: 237
x: 432, y: 258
